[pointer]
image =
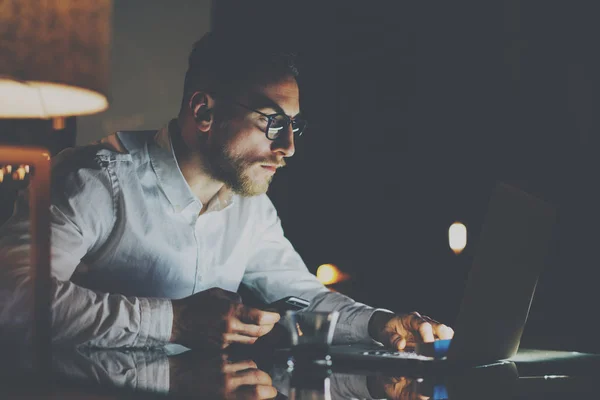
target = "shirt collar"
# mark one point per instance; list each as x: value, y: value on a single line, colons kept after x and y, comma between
x: 171, y: 179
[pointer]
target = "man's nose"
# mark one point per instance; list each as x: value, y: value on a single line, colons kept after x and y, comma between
x: 284, y: 144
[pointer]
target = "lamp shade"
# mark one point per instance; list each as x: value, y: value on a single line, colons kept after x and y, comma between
x: 54, y: 57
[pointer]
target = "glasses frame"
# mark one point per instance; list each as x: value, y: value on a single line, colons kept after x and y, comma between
x: 271, y: 117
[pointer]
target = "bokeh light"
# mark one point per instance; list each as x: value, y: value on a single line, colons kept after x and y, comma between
x: 328, y: 274
x: 457, y: 237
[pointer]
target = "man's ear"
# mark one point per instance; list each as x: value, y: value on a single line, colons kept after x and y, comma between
x: 201, y: 104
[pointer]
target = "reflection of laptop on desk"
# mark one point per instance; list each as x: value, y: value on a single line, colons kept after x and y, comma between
x: 509, y: 258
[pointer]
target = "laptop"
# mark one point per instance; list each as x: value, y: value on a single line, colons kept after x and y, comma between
x: 509, y: 258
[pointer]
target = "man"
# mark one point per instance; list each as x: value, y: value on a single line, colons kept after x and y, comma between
x: 153, y: 232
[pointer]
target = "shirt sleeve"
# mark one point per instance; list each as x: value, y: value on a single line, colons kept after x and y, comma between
x: 276, y: 270
x: 82, y: 217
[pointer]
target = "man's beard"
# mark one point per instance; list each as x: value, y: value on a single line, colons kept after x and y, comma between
x: 233, y: 170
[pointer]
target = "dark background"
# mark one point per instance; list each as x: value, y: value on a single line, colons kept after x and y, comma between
x: 415, y: 111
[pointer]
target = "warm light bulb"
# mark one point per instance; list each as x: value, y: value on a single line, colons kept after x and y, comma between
x: 457, y: 237
x: 21, y: 173
x: 300, y: 333
x: 328, y: 274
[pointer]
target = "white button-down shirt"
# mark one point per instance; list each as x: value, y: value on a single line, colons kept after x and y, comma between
x: 127, y: 237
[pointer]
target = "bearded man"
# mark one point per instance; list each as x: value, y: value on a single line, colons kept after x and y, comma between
x: 154, y: 231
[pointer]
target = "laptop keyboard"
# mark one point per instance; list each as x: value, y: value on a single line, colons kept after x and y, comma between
x: 394, y: 354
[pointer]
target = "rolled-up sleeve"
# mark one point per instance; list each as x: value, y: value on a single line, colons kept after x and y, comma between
x: 82, y: 217
x: 276, y: 270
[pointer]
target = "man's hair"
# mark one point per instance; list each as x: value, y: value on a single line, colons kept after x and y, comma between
x: 222, y: 64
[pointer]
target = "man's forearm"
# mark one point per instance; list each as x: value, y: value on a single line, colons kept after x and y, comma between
x: 82, y: 316
x: 353, y: 323
x: 109, y: 320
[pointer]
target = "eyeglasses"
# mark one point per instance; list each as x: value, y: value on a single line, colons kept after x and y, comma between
x: 278, y: 122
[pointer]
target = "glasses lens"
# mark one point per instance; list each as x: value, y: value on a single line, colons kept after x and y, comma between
x: 298, y: 126
x: 278, y: 124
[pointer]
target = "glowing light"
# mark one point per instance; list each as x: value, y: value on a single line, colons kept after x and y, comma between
x: 21, y: 173
x: 556, y: 376
x: 1, y: 175
x: 46, y: 99
x: 8, y: 169
x: 27, y: 168
x: 59, y: 123
x: 300, y: 333
x: 328, y: 274
x: 457, y: 237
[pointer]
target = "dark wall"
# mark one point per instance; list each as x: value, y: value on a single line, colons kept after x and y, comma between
x: 151, y: 40
x: 416, y: 111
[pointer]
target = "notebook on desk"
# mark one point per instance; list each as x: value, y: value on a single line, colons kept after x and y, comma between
x: 509, y: 258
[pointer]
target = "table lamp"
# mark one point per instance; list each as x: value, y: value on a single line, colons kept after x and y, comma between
x: 53, y: 64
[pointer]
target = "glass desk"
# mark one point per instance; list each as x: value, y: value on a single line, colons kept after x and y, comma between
x: 246, y: 373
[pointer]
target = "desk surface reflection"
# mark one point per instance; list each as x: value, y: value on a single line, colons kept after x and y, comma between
x: 251, y: 374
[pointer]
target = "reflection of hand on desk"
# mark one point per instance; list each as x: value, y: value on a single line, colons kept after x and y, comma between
x: 152, y: 371
x: 491, y: 382
x: 399, y: 387
x: 217, y: 377
x: 357, y: 386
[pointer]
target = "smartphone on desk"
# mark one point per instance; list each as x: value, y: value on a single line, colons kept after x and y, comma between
x: 290, y: 303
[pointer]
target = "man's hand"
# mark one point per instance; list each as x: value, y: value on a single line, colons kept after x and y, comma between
x: 398, y: 331
x: 215, y: 318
